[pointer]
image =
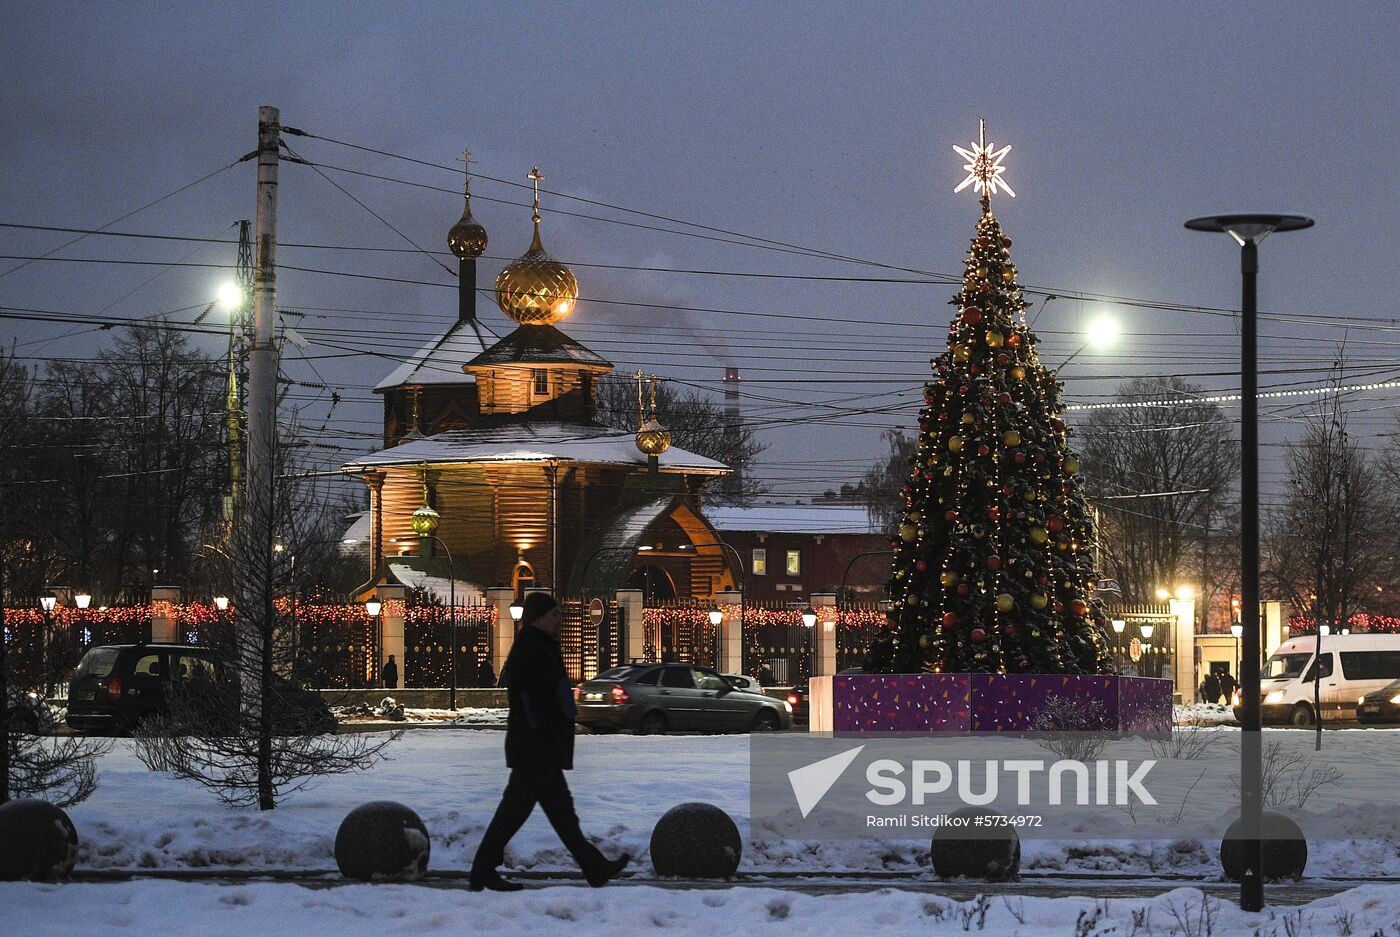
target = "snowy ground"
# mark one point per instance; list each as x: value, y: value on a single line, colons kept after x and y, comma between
x: 452, y: 777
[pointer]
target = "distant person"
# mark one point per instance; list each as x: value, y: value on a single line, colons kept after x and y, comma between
x: 486, y: 675
x: 391, y: 674
x: 539, y: 749
x: 1210, y: 689
x: 1228, y: 687
x: 765, y: 675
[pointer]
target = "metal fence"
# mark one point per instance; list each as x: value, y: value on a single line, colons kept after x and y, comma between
x: 588, y: 647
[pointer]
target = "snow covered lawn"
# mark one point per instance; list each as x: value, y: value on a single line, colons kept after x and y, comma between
x: 155, y: 907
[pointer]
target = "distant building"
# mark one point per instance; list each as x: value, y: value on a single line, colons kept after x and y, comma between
x: 793, y: 550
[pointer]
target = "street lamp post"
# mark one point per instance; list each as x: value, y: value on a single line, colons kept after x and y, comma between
x: 1248, y: 231
x: 372, y: 608
x: 81, y: 601
x: 47, y: 603
x: 809, y: 622
x: 1237, y: 629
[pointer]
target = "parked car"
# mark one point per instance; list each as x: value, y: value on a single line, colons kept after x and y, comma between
x: 743, y: 682
x: 1352, y: 667
x: 119, y: 686
x: 654, y: 698
x: 801, y: 708
x: 27, y: 712
x: 1381, y: 705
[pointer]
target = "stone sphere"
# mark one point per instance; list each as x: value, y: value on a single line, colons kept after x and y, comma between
x: 696, y: 840
x: 990, y: 853
x: 382, y: 840
x: 37, y: 840
x: 1285, y: 849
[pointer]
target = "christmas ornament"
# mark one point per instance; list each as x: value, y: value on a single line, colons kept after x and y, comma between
x: 1005, y: 602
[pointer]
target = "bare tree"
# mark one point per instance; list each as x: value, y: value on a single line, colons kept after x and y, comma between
x: 696, y: 424
x: 884, y: 481
x: 258, y: 737
x: 1157, y: 474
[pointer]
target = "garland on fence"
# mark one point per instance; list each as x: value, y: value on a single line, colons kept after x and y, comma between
x: 1361, y: 622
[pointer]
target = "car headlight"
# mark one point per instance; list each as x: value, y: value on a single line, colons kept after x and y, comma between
x: 1274, y: 697
x: 1360, y: 700
x: 1395, y: 700
x: 788, y: 706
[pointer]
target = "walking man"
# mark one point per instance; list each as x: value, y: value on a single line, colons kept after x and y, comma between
x: 539, y: 749
x: 391, y: 674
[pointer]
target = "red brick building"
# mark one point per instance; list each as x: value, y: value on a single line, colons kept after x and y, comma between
x: 790, y: 551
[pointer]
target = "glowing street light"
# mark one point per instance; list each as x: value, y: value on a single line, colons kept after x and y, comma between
x: 230, y: 296
x: 517, y: 611
x: 373, y: 607
x: 716, y: 617
x: 221, y: 602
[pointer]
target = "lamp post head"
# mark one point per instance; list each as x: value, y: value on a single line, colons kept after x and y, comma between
x: 516, y: 611
x: 1118, y: 625
x: 1237, y: 629
x: 716, y: 617
x: 1146, y: 630
x: 48, y: 602
x: 1249, y: 229
x: 373, y: 607
x: 221, y: 602
x: 809, y: 618
x: 82, y: 600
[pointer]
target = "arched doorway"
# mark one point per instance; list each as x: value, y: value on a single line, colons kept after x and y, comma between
x: 654, y: 582
x: 522, y: 579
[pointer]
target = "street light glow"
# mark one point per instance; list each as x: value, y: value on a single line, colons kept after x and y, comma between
x: 373, y: 607
x: 230, y: 296
x: 716, y: 617
x: 1102, y: 332
x: 82, y: 600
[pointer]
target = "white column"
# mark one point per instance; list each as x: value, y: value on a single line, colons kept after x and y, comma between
x: 1271, y: 615
x: 391, y: 617
x: 1184, y: 649
x: 164, y: 629
x: 824, y: 604
x: 731, y: 643
x: 634, y: 642
x: 503, y: 631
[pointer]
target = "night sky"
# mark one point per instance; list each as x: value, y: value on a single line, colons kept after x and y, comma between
x: 824, y: 127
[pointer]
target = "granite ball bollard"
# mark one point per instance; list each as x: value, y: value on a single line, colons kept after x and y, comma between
x: 696, y: 840
x: 962, y: 849
x: 1285, y: 849
x: 37, y: 840
x: 382, y: 840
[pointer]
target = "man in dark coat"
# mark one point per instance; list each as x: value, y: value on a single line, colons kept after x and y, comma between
x: 391, y: 674
x: 486, y: 676
x: 1227, y: 687
x: 1210, y: 688
x: 539, y: 749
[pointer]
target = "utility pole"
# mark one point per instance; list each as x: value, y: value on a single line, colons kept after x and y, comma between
x: 257, y: 535
x: 237, y: 344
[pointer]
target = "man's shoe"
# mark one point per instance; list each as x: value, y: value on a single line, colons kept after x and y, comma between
x: 493, y: 882
x: 604, y: 874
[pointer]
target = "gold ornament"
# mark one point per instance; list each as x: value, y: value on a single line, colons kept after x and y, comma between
x: 1011, y: 438
x: 1039, y: 535
x: 908, y: 533
x: 955, y: 444
x: 995, y: 339
x: 962, y: 353
x: 1005, y: 602
x: 948, y: 578
x: 1007, y: 275
x: 915, y: 517
x: 1039, y: 600
x: 1072, y: 466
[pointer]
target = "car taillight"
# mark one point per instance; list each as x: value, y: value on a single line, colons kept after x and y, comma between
x: 114, y: 689
x: 619, y: 695
x: 792, y: 699
x: 575, y: 694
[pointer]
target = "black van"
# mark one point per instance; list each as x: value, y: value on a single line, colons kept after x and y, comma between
x: 118, y: 685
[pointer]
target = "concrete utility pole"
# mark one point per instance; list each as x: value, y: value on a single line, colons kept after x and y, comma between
x: 257, y: 535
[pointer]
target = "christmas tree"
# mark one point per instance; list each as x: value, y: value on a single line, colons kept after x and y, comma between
x: 993, y: 569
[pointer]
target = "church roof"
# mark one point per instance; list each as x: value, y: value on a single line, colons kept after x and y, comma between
x: 534, y: 442
x: 537, y: 344
x: 787, y: 518
x: 440, y: 360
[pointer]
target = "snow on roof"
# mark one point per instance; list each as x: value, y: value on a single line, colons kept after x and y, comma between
x: 440, y: 360
x: 439, y: 587
x: 794, y: 519
x: 534, y: 442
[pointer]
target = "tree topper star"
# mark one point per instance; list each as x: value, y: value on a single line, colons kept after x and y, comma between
x: 983, y: 166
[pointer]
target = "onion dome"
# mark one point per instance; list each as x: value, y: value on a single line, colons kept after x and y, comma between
x: 467, y: 238
x: 424, y: 521
x: 653, y: 438
x: 536, y: 290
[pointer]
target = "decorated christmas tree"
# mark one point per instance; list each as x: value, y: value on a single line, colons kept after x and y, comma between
x: 993, y: 568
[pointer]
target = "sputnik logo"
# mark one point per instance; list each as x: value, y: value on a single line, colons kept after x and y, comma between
x: 810, y: 783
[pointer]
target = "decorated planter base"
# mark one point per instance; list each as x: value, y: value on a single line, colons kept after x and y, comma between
x: 980, y: 702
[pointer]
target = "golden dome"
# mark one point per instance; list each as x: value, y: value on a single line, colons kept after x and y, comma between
x: 652, y: 438
x: 467, y: 237
x: 535, y: 290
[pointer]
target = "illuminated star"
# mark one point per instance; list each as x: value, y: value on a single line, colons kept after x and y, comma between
x: 984, y: 166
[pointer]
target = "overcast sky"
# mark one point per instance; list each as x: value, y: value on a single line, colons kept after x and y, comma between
x: 824, y: 126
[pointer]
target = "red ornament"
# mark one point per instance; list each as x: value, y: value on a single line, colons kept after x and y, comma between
x: 1079, y: 607
x: 950, y: 516
x: 950, y: 619
x: 963, y: 588
x: 1008, y: 489
x: 1013, y: 340
x: 1057, y: 424
x: 1020, y: 458
x: 1006, y: 242
x: 994, y: 513
x: 974, y: 369
x: 921, y: 565
x: 994, y: 562
x: 1054, y: 523
x: 978, y: 636
x: 984, y: 450
x: 943, y: 417
x: 1003, y: 359
x: 1023, y: 664
x: 1009, y: 629
x: 1043, y: 580
x: 1003, y: 397
x: 1039, y: 457
x: 984, y: 288
x: 1059, y: 608
x: 984, y: 242
x: 963, y: 390
x: 972, y: 314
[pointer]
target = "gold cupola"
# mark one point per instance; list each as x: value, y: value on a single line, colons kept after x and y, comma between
x: 536, y: 290
x: 467, y: 238
x: 652, y: 438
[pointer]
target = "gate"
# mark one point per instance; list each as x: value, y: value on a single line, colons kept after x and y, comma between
x: 680, y: 631
x: 588, y: 650
x: 427, y: 640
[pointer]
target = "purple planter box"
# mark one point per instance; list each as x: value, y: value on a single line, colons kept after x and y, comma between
x: 979, y: 702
